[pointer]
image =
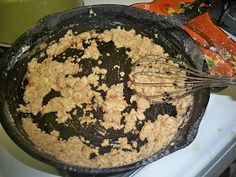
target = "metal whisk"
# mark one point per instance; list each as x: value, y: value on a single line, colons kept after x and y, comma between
x: 163, y: 78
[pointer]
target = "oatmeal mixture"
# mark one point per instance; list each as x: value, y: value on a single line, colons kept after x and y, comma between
x: 157, y: 79
x: 110, y: 125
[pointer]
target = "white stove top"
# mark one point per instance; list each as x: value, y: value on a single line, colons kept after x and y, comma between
x: 213, y: 149
x: 210, y: 153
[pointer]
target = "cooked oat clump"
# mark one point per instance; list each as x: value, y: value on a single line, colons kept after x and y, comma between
x: 95, y: 119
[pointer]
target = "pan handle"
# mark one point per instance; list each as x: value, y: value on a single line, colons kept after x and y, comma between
x: 194, y: 10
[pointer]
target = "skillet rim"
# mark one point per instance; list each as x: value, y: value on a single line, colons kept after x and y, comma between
x: 48, y: 22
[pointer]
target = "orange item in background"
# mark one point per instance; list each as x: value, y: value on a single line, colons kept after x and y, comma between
x: 219, y: 50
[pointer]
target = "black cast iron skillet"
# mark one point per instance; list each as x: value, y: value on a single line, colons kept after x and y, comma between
x: 164, y: 31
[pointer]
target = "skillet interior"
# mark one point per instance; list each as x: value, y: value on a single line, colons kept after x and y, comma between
x: 14, y: 66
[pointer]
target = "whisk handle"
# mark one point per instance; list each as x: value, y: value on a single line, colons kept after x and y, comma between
x: 223, y: 82
x: 233, y: 81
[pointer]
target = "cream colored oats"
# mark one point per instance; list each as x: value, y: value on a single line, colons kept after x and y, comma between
x: 76, y: 91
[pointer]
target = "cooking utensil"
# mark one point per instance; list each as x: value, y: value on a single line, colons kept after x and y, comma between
x: 175, y: 77
x: 164, y: 31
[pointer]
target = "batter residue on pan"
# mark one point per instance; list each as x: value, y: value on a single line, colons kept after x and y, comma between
x: 82, y: 110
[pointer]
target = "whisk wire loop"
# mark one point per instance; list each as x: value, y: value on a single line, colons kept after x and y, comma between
x: 165, y: 78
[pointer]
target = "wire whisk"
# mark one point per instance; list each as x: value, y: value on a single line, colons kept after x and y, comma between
x: 163, y: 78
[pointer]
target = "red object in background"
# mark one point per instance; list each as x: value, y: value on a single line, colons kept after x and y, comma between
x: 218, y: 49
